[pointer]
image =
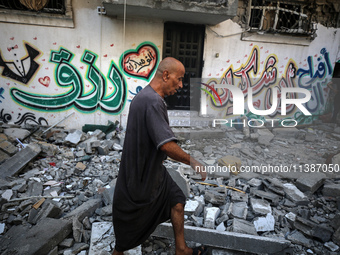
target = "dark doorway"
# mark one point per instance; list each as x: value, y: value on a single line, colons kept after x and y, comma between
x: 185, y: 43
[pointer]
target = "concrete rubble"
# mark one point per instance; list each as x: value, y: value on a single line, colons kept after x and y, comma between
x: 56, y: 191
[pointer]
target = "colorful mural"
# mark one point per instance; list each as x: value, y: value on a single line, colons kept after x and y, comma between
x: 250, y: 79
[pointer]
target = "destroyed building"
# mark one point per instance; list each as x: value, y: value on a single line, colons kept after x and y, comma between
x: 69, y: 70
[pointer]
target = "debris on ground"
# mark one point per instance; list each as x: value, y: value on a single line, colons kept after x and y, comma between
x: 279, y: 185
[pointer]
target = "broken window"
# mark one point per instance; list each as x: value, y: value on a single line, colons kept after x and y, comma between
x: 272, y: 16
x: 47, y: 6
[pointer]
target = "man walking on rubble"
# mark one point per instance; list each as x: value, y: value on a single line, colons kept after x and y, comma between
x: 145, y: 194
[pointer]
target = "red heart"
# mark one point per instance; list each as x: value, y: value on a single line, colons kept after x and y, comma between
x: 110, y: 87
x: 141, y: 62
x: 238, y: 61
x: 261, y: 48
x: 8, y: 83
x: 54, y: 43
x: 12, y: 38
x: 78, y: 46
x: 251, y: 44
x: 35, y: 38
x: 245, y: 55
x: 45, y: 81
x: 43, y: 59
x: 46, y: 68
x: 33, y: 87
x: 87, y: 85
x: 257, y: 103
x: 112, y: 45
x: 105, y: 56
x: 228, y: 60
x: 82, y: 67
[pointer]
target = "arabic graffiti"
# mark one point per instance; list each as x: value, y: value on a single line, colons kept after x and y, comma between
x: 23, y: 69
x: 141, y: 62
x: 313, y: 80
x: 110, y: 99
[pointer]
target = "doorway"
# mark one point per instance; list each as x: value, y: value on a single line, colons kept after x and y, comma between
x: 185, y: 42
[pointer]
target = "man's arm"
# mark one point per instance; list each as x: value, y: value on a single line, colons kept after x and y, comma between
x: 175, y: 152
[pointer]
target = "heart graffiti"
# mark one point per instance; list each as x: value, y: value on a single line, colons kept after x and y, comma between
x: 45, y: 81
x: 141, y: 62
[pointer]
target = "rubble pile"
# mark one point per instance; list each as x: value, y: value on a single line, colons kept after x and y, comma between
x: 56, y: 189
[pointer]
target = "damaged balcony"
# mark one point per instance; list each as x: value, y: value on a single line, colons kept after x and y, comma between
x: 210, y: 12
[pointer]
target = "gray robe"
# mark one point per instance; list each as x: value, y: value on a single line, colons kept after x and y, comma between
x: 145, y: 192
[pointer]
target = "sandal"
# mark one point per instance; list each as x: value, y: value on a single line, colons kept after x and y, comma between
x: 202, y: 249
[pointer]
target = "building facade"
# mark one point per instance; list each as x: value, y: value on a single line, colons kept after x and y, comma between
x: 82, y: 62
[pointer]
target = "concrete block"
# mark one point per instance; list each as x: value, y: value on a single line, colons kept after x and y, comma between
x: 103, y: 149
x: 285, y: 132
x: 7, y: 194
x: 260, y: 206
x: 238, y: 210
x: 318, y: 231
x: 336, y: 237
x: 221, y: 227
x: 38, y: 240
x: 237, y: 196
x: 102, y: 237
x: 331, y: 246
x: 14, y: 133
x: 243, y: 226
x: 191, y: 206
x: 215, y: 197
x: 16, y: 163
x: 298, y: 238
x: 273, y: 198
x: 8, y: 147
x: 232, y: 162
x: 263, y: 224
x: 48, y: 149
x: 295, y: 195
x: 331, y: 190
x: 265, y: 136
x: 227, y: 240
x: 256, y: 183
x: 311, y: 182
x: 74, y: 137
x: 210, y: 215
x: 181, y: 181
x: 85, y: 210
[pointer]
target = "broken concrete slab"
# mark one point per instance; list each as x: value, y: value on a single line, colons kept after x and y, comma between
x: 16, y: 163
x: 263, y: 224
x: 227, y: 240
x: 273, y: 198
x: 243, y: 226
x: 318, y: 231
x: 285, y: 132
x: 180, y: 179
x: 311, y: 182
x: 265, y: 136
x: 215, y: 197
x: 295, y: 195
x: 331, y: 190
x: 38, y: 240
x: 85, y: 210
x: 238, y: 210
x: 14, y: 133
x: 298, y: 238
x: 260, y: 206
x: 74, y: 137
x: 210, y: 215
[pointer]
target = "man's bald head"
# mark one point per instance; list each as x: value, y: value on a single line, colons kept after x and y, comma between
x: 170, y: 64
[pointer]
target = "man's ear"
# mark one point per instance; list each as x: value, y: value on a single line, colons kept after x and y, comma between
x: 165, y: 75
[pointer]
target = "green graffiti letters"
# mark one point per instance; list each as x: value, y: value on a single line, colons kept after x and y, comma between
x: 67, y: 76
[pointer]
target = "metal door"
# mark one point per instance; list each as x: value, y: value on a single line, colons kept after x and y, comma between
x: 185, y: 43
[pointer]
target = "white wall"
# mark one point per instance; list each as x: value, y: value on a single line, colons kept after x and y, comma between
x: 235, y: 54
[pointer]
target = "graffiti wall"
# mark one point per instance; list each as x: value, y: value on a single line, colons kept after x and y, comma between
x: 47, y: 73
x: 263, y: 69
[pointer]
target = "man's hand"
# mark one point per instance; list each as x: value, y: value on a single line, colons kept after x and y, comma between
x: 175, y: 152
x: 199, y: 168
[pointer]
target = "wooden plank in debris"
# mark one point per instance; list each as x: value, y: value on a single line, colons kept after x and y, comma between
x: 227, y: 240
x: 16, y: 163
